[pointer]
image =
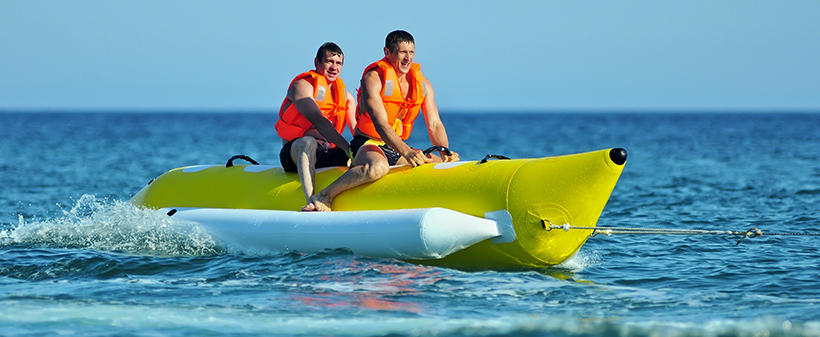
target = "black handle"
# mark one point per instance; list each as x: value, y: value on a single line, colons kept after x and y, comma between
x: 240, y: 156
x: 492, y: 156
x: 437, y: 148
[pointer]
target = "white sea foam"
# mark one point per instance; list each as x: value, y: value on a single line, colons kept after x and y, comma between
x: 582, y: 259
x: 114, y: 226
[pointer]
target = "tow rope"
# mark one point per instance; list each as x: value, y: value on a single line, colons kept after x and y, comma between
x: 754, y: 232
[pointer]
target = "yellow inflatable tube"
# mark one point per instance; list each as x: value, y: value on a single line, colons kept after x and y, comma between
x: 569, y: 189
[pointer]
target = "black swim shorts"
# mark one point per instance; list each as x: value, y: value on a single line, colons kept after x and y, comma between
x: 358, y: 141
x: 333, y: 157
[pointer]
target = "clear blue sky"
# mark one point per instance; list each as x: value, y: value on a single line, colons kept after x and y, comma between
x: 480, y: 55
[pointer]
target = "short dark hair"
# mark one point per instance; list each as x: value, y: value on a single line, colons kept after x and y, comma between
x: 395, y: 37
x: 329, y: 48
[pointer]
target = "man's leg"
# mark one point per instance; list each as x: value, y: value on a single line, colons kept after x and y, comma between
x: 303, y: 153
x: 370, y: 165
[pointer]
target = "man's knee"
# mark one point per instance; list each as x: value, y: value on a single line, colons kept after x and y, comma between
x: 303, y: 145
x: 376, y: 169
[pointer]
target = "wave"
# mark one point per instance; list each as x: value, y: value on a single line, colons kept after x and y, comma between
x: 113, y: 226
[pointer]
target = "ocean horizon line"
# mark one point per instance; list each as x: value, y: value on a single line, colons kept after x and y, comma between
x: 441, y: 111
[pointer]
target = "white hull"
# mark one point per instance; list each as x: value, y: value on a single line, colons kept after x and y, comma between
x: 408, y: 234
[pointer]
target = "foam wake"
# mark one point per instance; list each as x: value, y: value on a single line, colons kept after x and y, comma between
x: 113, y: 226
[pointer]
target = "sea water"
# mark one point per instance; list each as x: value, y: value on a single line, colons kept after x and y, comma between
x: 77, y: 259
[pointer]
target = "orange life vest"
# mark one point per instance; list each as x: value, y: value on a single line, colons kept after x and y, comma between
x: 292, y: 124
x: 401, y: 112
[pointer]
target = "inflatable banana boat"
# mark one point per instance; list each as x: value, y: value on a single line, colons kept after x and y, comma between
x: 506, y: 208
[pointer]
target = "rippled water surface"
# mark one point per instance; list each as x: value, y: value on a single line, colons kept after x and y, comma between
x: 77, y: 259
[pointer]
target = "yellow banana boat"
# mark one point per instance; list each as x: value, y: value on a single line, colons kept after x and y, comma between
x: 533, y: 193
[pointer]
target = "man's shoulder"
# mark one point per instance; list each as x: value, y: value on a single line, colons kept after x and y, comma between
x: 373, y: 74
x: 300, y: 86
x: 302, y: 83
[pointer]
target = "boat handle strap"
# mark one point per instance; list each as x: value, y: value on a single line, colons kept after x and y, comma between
x: 439, y: 149
x: 492, y: 156
x: 240, y: 156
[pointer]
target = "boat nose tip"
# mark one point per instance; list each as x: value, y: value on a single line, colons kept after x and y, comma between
x: 618, y: 156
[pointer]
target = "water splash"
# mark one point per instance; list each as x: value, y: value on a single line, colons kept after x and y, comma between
x: 581, y: 260
x: 113, y: 226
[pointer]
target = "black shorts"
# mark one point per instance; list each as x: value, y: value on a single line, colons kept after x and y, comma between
x: 392, y: 156
x: 333, y: 157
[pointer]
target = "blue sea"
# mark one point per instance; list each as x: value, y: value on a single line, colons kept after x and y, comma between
x: 76, y: 259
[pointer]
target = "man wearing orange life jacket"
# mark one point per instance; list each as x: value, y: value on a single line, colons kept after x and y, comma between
x: 313, y: 116
x: 392, y: 94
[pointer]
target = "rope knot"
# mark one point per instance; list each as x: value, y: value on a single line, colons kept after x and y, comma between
x: 754, y: 232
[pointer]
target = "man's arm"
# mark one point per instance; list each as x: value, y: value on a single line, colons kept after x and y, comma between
x: 371, y: 91
x: 350, y: 114
x: 435, y: 128
x: 301, y: 94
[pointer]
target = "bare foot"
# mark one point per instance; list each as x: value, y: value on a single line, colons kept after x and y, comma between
x: 318, y: 203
